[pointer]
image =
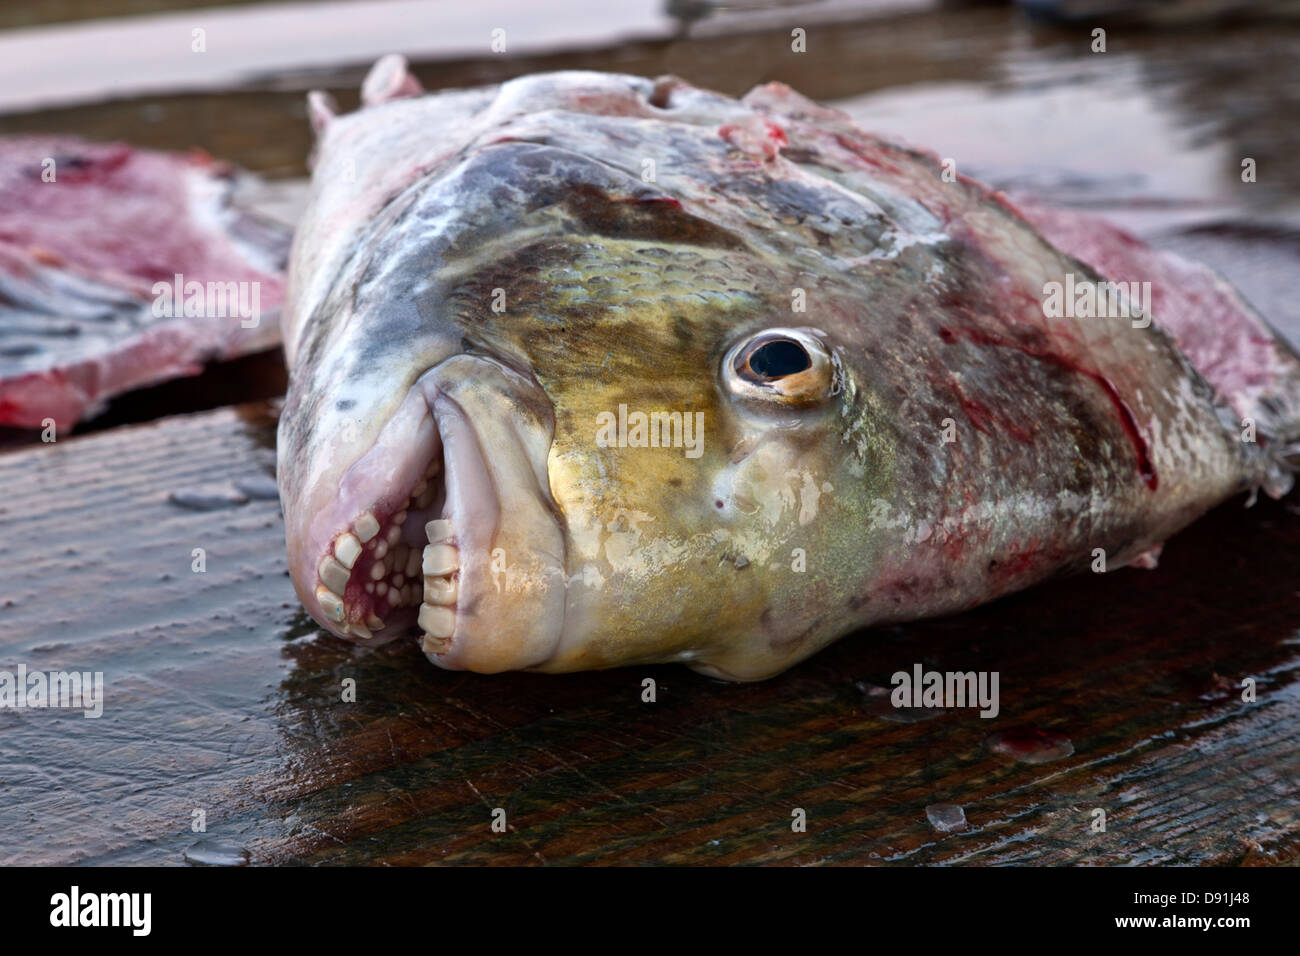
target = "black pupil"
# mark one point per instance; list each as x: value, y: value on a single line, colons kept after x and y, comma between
x: 779, y: 358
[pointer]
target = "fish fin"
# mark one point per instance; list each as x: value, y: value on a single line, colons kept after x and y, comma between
x: 321, y: 109
x: 389, y: 79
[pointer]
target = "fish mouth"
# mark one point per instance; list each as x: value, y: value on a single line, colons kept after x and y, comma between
x: 445, y: 528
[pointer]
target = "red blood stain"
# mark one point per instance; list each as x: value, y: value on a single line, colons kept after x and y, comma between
x: 981, y: 415
x: 859, y: 150
x: 765, y: 145
x: 1030, y: 745
x: 1146, y: 468
x: 1018, y: 563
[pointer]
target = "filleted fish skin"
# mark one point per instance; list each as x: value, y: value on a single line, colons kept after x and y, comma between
x: 90, y: 236
x: 484, y: 277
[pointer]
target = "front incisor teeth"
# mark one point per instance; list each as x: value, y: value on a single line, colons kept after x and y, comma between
x: 331, y: 603
x: 347, y: 549
x: 440, y: 559
x: 366, y: 527
x: 438, y: 531
x: 439, y: 590
x: 437, y: 622
x: 333, y: 574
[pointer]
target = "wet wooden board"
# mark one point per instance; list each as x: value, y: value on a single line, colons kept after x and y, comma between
x: 222, y: 697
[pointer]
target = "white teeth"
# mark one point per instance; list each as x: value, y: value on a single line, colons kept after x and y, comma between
x: 395, y: 532
x: 381, y: 549
x: 330, y: 602
x: 373, y: 621
x: 381, y: 590
x: 400, y: 518
x: 378, y: 571
x: 437, y: 621
x: 412, y: 563
x: 347, y: 549
x: 440, y: 559
x: 439, y: 530
x: 370, y: 587
x: 398, y: 580
x: 333, y: 574
x: 361, y: 631
x: 366, y: 527
x: 440, y: 591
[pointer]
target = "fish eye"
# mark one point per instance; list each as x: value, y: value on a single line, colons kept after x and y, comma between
x: 789, y: 366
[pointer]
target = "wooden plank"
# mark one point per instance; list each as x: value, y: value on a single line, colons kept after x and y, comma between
x: 221, y: 696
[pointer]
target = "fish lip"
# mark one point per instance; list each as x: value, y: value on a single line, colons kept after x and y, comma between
x: 499, y: 502
x: 489, y: 499
x: 473, y: 506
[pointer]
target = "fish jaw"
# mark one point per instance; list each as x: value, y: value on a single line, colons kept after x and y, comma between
x: 443, y: 527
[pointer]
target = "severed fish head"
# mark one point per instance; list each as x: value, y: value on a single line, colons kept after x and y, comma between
x: 590, y: 370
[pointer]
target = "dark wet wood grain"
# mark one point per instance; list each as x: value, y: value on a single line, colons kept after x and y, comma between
x: 221, y: 696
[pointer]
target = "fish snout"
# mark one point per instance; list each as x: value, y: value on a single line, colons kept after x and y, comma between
x: 496, y: 426
x: 445, y: 526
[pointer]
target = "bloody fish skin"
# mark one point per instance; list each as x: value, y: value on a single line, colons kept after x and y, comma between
x: 806, y: 515
x: 86, y: 230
